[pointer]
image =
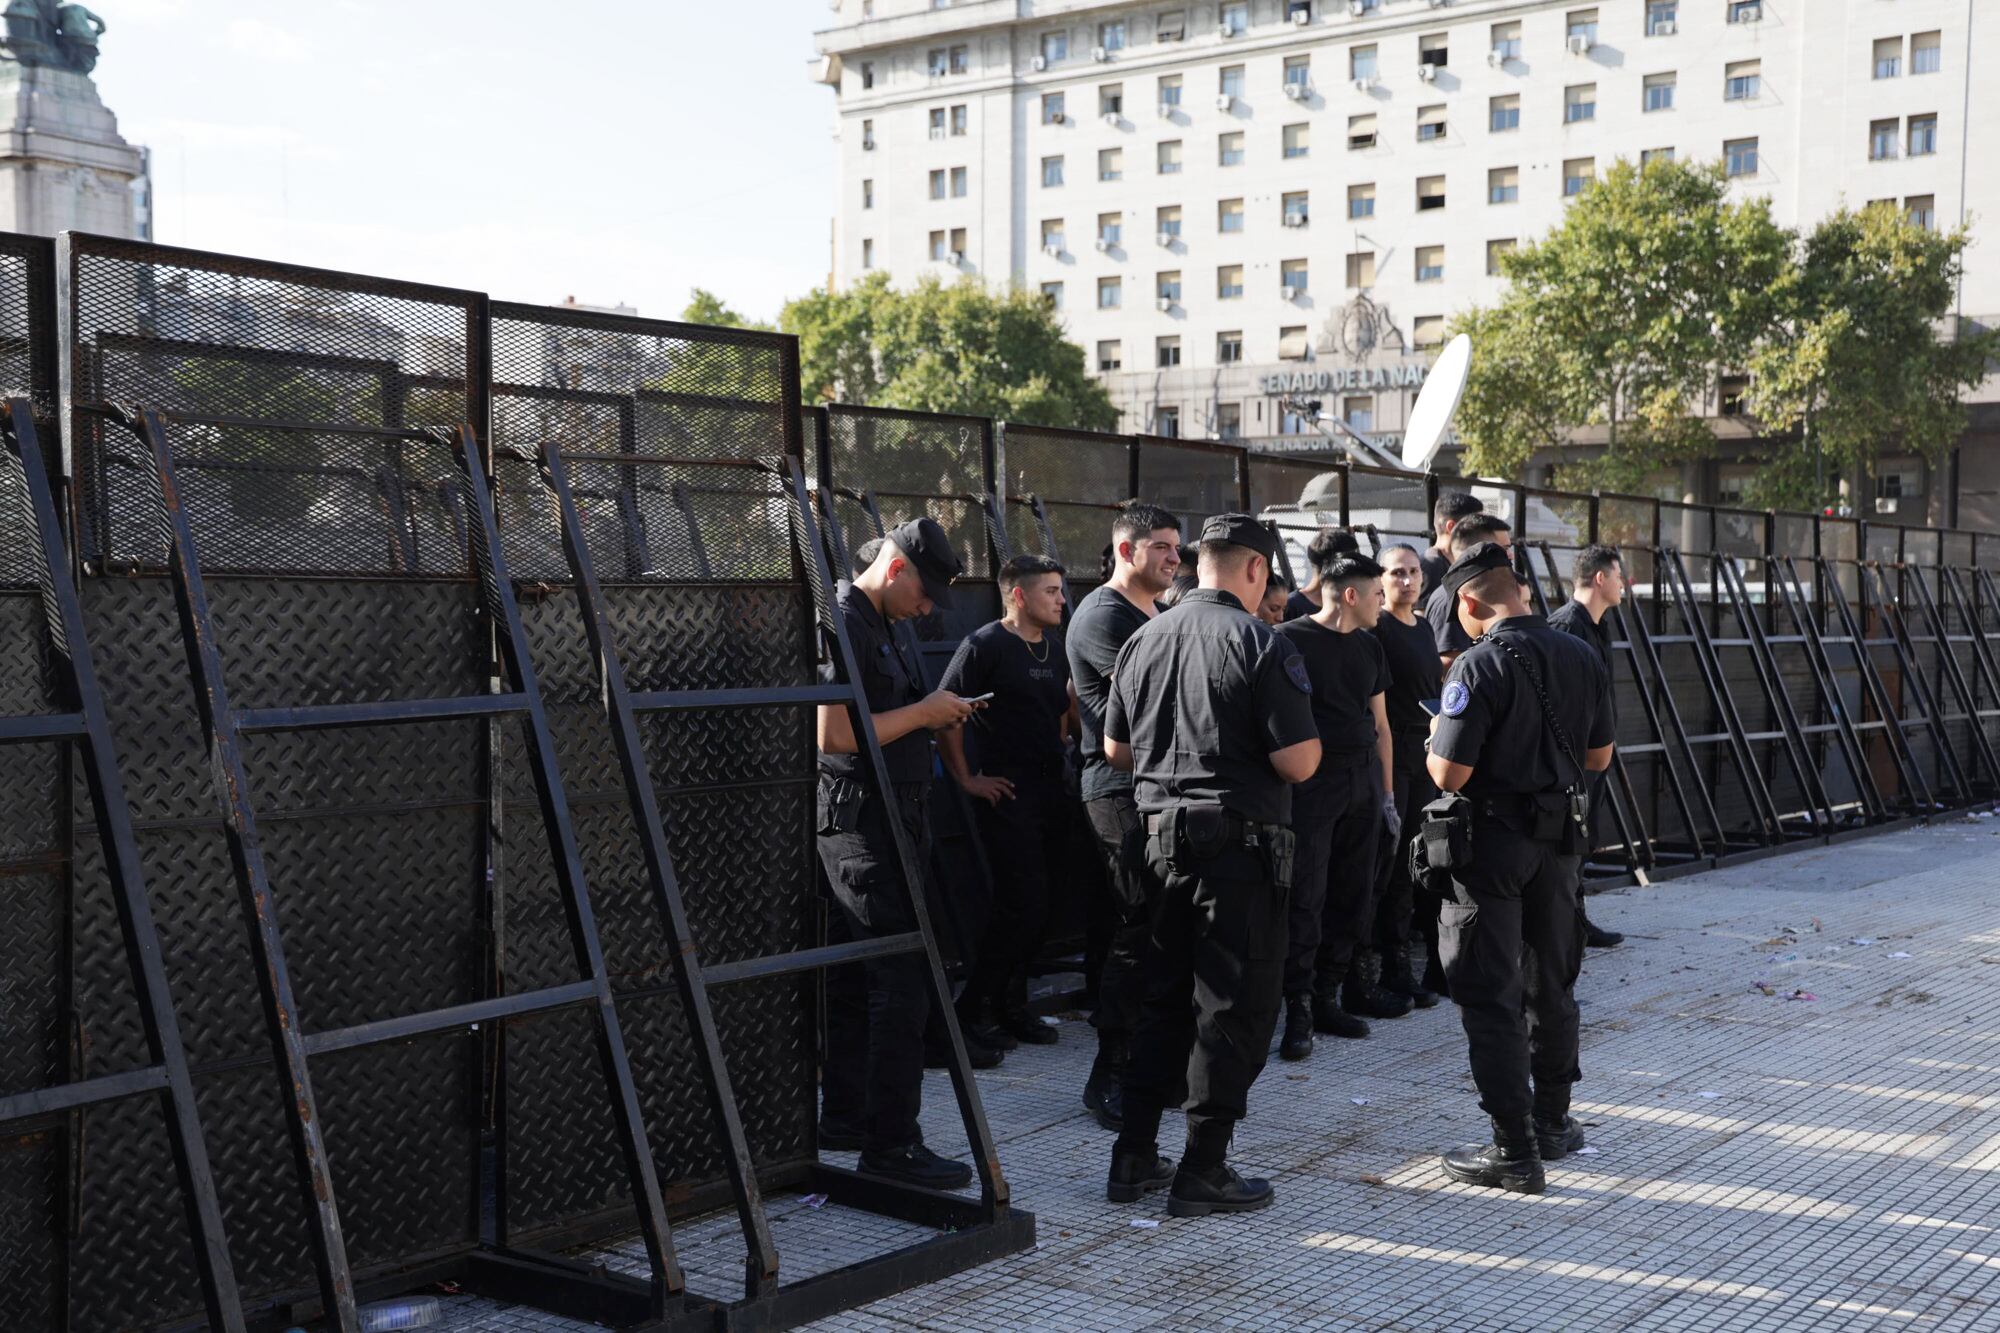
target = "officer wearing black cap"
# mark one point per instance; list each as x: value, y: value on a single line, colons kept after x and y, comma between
x: 1212, y: 712
x: 875, y: 1028
x: 1523, y: 721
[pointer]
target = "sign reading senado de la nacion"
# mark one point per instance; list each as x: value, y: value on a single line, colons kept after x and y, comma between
x: 1410, y: 375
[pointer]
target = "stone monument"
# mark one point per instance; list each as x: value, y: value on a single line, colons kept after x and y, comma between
x: 63, y: 165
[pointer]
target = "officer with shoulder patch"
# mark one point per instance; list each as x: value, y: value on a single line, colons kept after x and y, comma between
x: 1212, y: 712
x: 1523, y: 722
x: 873, y: 1082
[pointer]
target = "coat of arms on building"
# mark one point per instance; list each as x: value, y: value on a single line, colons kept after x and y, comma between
x: 1360, y: 329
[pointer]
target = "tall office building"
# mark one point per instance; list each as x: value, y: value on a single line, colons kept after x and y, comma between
x: 1232, y: 202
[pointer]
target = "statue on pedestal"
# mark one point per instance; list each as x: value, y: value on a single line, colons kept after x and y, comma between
x: 52, y: 35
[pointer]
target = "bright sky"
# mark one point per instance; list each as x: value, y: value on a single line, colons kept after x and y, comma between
x: 615, y: 150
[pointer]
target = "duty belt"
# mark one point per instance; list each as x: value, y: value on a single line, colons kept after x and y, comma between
x: 1515, y: 806
x: 1246, y: 831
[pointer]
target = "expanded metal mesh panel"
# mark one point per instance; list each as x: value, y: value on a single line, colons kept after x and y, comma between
x: 1192, y: 480
x: 1884, y: 543
x: 1080, y: 477
x: 1396, y: 503
x: 1278, y: 480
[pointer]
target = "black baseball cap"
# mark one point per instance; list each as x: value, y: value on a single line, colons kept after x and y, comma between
x: 1481, y: 558
x: 1241, y: 530
x: 929, y: 550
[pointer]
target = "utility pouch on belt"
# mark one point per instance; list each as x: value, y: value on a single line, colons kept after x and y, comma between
x: 1200, y: 832
x: 840, y: 801
x: 1444, y: 839
x: 1280, y: 847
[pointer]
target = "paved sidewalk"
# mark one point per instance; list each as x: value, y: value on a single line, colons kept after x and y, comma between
x: 1762, y: 1162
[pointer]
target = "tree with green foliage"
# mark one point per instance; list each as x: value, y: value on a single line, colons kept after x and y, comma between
x: 960, y: 348
x: 1855, y: 366
x: 1618, y: 318
x: 705, y: 307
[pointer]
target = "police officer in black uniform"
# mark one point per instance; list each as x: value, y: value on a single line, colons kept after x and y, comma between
x: 874, y: 1074
x: 1597, y: 588
x: 1212, y: 712
x: 1452, y: 507
x: 1523, y: 722
x: 1440, y: 607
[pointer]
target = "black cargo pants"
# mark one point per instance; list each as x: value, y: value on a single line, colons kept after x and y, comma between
x: 1338, y: 820
x: 1114, y: 824
x: 1395, y: 907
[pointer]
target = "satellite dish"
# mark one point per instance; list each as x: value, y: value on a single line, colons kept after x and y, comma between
x: 1431, y: 416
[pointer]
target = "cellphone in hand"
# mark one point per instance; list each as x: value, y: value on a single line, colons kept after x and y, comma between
x: 977, y: 698
x: 1431, y: 706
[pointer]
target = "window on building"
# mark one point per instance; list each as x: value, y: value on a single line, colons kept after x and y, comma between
x: 1055, y: 47
x: 1923, y: 135
x: 1740, y: 157
x: 1504, y: 113
x: 1111, y: 34
x: 1648, y: 156
x: 1111, y: 164
x: 1229, y: 347
x: 937, y: 122
x: 1662, y: 17
x: 1167, y: 351
x: 1430, y: 194
x: 1361, y: 63
x: 1361, y: 200
x: 1507, y: 40
x: 1111, y: 99
x: 1430, y: 123
x: 1167, y: 422
x: 1294, y: 277
x: 1741, y: 80
x: 1503, y: 185
x: 1578, y: 173
x: 958, y: 120
x: 1295, y: 8
x: 867, y: 136
x: 1882, y: 139
x: 1582, y: 23
x: 1229, y: 81
x: 1297, y: 140
x: 1169, y: 157
x: 1361, y: 269
x: 868, y: 194
x: 1235, y: 18
x: 1291, y: 421
x: 958, y: 183
x: 1110, y: 293
x: 1579, y: 103
x: 867, y: 74
x: 1167, y: 285
x: 1294, y: 343
x: 1052, y: 295
x: 1659, y: 91
x: 1730, y: 392
x: 1360, y: 132
x: 1110, y: 354
x: 938, y: 246
x: 1229, y: 421
x: 1926, y: 55
x: 1298, y: 71
x: 1496, y: 253
x: 958, y: 244
x: 1052, y: 234
x: 1052, y: 109
x: 1296, y: 208
x: 1171, y: 26
x: 960, y: 59
x: 1430, y: 263
x: 1358, y: 412
x: 867, y: 252
x: 1745, y: 11
x: 1922, y: 210
x: 1434, y: 49
x: 1229, y: 215
x: 935, y: 62
x: 1229, y: 148
x: 1229, y: 282
x: 1170, y: 92
x: 1168, y: 221
x: 1111, y: 229
x: 1052, y: 172
x: 1888, y: 57
x: 937, y: 185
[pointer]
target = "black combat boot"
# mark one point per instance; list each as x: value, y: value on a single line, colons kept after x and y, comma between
x: 1511, y: 1162
x: 1597, y: 937
x: 1200, y: 1191
x: 978, y: 1026
x: 1396, y: 977
x: 1328, y: 1016
x: 1134, y: 1175
x: 1363, y: 994
x: 1557, y: 1134
x: 1298, y: 1039
x: 1103, y: 1092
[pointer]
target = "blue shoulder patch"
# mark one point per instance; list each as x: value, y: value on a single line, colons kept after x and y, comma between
x: 1295, y: 667
x: 1456, y: 697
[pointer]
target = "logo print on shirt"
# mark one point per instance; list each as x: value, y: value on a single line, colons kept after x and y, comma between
x: 1456, y: 697
x: 1295, y: 667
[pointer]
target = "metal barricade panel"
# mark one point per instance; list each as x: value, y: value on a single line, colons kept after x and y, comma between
x: 1080, y: 477
x: 1193, y: 479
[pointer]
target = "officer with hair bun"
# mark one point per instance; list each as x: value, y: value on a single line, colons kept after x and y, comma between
x: 1524, y: 720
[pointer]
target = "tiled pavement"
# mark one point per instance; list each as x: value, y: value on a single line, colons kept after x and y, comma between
x: 1763, y: 1163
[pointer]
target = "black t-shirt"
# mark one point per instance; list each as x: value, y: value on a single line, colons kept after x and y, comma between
x: 1441, y: 614
x: 1434, y: 563
x: 1020, y: 730
x: 1347, y: 670
x: 1204, y: 695
x: 887, y: 681
x: 1572, y: 619
x: 1415, y: 674
x: 1097, y: 630
x: 1298, y: 604
x: 1492, y: 719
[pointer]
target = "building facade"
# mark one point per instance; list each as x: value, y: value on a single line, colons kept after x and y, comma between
x: 1239, y: 202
